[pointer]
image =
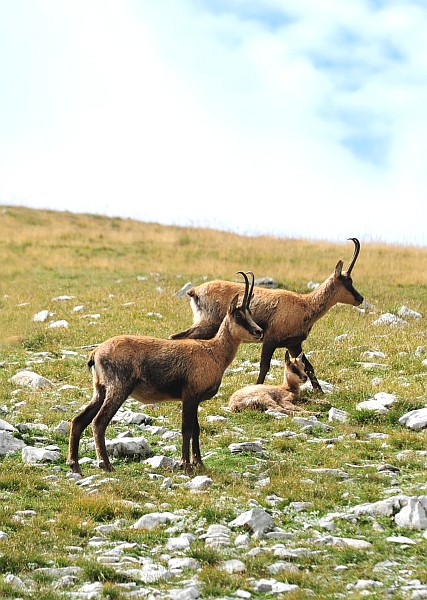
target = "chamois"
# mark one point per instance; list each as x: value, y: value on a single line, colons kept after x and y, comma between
x: 159, y: 370
x: 285, y: 317
x: 280, y: 398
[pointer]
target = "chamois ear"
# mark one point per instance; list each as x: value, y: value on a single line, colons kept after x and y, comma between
x: 300, y: 355
x: 338, y: 268
x: 287, y: 358
x: 233, y: 304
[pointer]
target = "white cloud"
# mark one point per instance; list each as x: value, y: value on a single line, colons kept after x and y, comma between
x: 295, y: 118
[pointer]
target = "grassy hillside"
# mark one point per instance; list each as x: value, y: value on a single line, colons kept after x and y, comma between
x: 125, y: 274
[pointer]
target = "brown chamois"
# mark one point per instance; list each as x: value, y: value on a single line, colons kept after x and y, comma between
x: 280, y: 398
x: 285, y: 317
x: 155, y: 370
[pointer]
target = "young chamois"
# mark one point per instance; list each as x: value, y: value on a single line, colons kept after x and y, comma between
x: 285, y: 317
x: 280, y: 398
x: 159, y: 370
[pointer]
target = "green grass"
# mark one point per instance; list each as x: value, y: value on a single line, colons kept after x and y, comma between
x: 128, y: 272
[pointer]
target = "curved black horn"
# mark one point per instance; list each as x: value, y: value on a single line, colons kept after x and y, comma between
x: 245, y: 297
x: 355, y: 255
x: 251, y: 291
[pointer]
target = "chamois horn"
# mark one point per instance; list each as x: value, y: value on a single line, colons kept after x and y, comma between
x: 355, y: 255
x: 248, y: 292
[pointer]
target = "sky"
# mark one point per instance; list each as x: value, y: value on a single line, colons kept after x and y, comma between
x: 290, y: 118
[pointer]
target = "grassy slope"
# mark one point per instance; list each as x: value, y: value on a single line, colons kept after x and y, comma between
x: 100, y: 261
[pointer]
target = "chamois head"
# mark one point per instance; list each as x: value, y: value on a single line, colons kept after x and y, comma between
x: 295, y: 374
x: 241, y: 315
x: 349, y: 294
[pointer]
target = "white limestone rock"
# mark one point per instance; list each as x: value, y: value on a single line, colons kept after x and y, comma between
x: 182, y: 293
x: 31, y: 380
x: 335, y: 414
x: 233, y: 566
x: 184, y: 563
x: 41, y: 316
x: 121, y: 447
x: 162, y: 462
x: 256, y: 520
x: 255, y: 447
x: 372, y: 405
x: 217, y: 536
x: 390, y: 319
x: 415, y: 419
x: 31, y: 455
x: 5, y: 426
x: 10, y: 444
x: 408, y: 313
x: 272, y: 586
x: 61, y: 324
x: 200, y: 482
x: 330, y: 540
x: 412, y: 516
x: 152, y: 520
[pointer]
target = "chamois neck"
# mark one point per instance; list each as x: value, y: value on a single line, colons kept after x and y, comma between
x: 225, y: 343
x: 290, y: 385
x: 322, y: 298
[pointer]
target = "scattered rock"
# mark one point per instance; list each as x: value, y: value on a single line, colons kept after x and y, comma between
x: 415, y: 419
x: 59, y: 324
x: 390, y: 319
x: 31, y: 455
x: 8, y: 443
x: 182, y: 293
x: 336, y: 414
x: 152, y: 520
x: 256, y: 520
x: 255, y: 447
x: 31, y: 379
x: 408, y: 313
x: 5, y: 426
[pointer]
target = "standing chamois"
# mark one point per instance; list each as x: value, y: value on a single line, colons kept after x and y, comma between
x: 285, y: 317
x: 155, y: 370
x: 280, y: 398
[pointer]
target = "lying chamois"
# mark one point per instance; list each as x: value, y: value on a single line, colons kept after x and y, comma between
x: 158, y: 370
x: 285, y: 317
x: 280, y: 398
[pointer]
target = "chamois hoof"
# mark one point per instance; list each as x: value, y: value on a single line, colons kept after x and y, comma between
x: 105, y: 466
x: 186, y: 467
x: 74, y: 466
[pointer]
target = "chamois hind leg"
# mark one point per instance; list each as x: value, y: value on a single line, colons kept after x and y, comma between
x: 195, y: 441
x: 114, y: 398
x: 79, y: 424
x: 189, y: 424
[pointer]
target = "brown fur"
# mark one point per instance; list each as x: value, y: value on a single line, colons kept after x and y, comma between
x: 157, y: 370
x: 280, y: 398
x: 286, y: 317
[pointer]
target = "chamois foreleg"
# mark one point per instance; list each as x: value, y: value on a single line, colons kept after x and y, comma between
x: 268, y: 348
x: 79, y: 424
x: 113, y: 400
x: 190, y: 431
x: 294, y: 351
x: 310, y: 373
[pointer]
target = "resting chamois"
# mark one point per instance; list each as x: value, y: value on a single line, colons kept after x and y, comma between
x: 155, y: 370
x: 285, y: 317
x: 280, y: 398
